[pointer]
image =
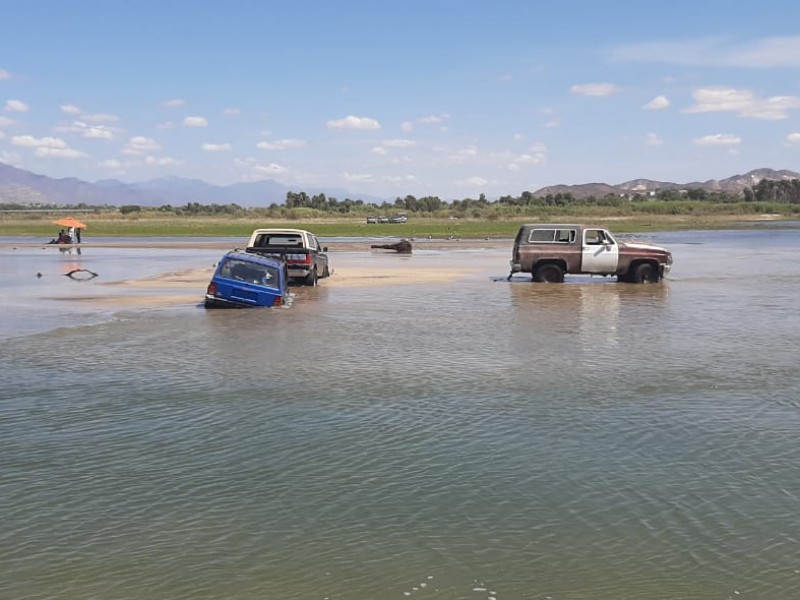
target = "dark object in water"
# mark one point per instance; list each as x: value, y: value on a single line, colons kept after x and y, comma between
x: 403, y: 246
x: 89, y: 274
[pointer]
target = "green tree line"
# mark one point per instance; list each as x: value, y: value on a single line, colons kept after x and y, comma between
x: 299, y: 205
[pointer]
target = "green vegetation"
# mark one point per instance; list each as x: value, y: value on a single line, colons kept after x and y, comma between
x: 430, y: 216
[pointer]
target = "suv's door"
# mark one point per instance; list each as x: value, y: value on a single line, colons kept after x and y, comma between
x: 600, y: 252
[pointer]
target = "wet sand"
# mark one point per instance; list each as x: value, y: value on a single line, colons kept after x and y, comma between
x: 354, y: 264
x: 333, y: 246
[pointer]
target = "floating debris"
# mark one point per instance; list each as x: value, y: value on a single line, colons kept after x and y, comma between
x: 74, y: 274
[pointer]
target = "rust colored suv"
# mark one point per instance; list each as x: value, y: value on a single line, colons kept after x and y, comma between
x: 548, y: 252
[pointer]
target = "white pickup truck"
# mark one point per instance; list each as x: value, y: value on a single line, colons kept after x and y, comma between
x: 305, y: 259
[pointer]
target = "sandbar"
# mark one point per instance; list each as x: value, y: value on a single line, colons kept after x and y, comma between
x: 354, y: 264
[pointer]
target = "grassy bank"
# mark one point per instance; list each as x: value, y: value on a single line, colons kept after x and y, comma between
x: 116, y: 226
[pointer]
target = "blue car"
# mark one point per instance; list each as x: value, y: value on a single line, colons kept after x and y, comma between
x: 244, y: 280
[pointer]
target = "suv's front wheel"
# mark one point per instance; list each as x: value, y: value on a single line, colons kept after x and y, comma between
x: 643, y: 273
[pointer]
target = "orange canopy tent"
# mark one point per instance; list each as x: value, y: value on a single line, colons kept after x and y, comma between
x: 70, y: 222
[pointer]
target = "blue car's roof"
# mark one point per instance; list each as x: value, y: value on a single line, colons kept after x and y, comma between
x: 270, y: 261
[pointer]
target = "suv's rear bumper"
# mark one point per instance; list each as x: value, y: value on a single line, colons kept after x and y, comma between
x: 297, y: 272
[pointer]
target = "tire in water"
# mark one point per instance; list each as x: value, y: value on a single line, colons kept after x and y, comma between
x: 644, y: 273
x: 549, y: 273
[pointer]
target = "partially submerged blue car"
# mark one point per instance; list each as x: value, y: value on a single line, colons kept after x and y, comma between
x: 244, y: 280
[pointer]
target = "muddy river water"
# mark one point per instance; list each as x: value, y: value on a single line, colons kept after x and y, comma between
x: 446, y: 434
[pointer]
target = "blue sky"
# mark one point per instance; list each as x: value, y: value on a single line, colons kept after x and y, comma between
x: 437, y: 97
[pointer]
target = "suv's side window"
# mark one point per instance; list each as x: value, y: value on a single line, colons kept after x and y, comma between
x: 595, y: 237
x: 542, y: 236
x: 565, y: 236
x: 550, y: 236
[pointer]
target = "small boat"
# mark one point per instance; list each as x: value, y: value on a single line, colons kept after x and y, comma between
x: 245, y: 280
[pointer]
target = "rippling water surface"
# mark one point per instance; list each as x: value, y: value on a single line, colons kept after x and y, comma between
x: 477, y: 439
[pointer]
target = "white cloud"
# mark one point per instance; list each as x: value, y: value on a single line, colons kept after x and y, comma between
x: 2, y: 135
x: 772, y: 109
x: 552, y: 123
x: 435, y: 118
x: 743, y: 102
x: 254, y: 171
x: 232, y: 111
x: 97, y: 132
x: 270, y: 169
x: 653, y: 140
x: 358, y: 178
x: 399, y: 143
x: 472, y: 182
x: 407, y: 126
x: 380, y: 151
x: 166, y: 125
x: 70, y: 109
x: 718, y: 139
x: 174, y: 103
x: 110, y: 164
x: 31, y: 142
x: 281, y: 144
x: 657, y: 103
x: 141, y: 145
x: 4, y: 74
x: 401, y: 179
x: 16, y: 106
x: 536, y: 155
x: 594, y: 89
x: 5, y: 121
x: 766, y: 53
x: 47, y: 147
x: 162, y: 161
x: 100, y: 118
x: 352, y: 122
x: 793, y: 138
x: 216, y: 147
x: 195, y: 122
x: 60, y: 153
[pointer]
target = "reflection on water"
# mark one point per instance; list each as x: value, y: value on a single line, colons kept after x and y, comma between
x: 471, y: 439
x: 593, y: 305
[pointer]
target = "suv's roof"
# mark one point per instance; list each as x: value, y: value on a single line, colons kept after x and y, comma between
x: 272, y: 230
x: 559, y: 226
x: 263, y: 259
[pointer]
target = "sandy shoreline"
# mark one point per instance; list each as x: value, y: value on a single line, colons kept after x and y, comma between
x: 333, y: 246
x: 354, y: 264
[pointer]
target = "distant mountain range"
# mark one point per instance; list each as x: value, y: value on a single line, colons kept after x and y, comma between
x: 734, y: 185
x: 18, y: 186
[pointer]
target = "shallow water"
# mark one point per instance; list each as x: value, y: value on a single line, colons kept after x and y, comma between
x: 473, y: 439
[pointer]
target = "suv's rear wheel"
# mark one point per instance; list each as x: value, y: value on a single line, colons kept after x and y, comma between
x: 549, y: 273
x: 311, y: 278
